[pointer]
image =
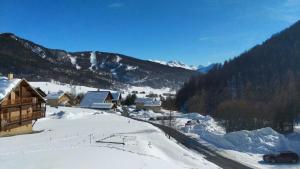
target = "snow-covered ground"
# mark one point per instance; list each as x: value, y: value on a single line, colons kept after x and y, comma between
x: 54, y: 87
x: 66, y: 139
x: 246, y: 147
x: 146, y: 90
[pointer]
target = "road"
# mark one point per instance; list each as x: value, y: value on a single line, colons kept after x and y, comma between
x: 191, y: 143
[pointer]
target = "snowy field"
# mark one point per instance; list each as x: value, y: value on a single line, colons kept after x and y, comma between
x: 66, y: 139
x: 148, y: 90
x: 244, y: 146
x: 53, y: 87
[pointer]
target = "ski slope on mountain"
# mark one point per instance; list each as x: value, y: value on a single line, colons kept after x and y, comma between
x: 66, y: 139
x: 175, y: 64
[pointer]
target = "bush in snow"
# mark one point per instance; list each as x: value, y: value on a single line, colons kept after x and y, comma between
x: 130, y: 99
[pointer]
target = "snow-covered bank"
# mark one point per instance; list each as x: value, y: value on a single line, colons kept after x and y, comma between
x: 244, y: 146
x: 68, y: 140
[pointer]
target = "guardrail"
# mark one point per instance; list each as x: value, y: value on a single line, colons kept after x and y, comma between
x: 12, y: 102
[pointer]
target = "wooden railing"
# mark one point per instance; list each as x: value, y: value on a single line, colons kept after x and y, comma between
x: 12, y: 102
x: 25, y: 118
x: 39, y: 109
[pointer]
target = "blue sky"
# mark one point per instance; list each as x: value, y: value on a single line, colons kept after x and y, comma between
x: 193, y: 31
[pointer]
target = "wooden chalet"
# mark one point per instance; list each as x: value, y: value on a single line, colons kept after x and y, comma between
x: 20, y: 106
x: 97, y: 100
x: 117, y: 98
x: 41, y: 92
x: 59, y: 99
x: 148, y: 104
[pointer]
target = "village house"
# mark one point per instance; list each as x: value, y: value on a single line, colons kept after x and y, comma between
x: 20, y: 106
x: 169, y: 95
x: 41, y: 92
x: 117, y: 98
x: 59, y: 99
x: 97, y: 100
x: 148, y: 104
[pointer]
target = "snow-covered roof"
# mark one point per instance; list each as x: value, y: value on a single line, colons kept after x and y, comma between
x: 94, y: 97
x: 55, y: 95
x: 7, y: 85
x: 102, y: 105
x: 148, y: 101
x: 116, y: 95
x: 153, y: 103
x: 144, y: 100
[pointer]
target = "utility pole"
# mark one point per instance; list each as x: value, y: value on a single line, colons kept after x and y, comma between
x: 90, y: 138
x: 170, y: 118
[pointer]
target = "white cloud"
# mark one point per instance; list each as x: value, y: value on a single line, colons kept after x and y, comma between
x: 116, y: 5
x: 287, y: 11
x: 292, y: 3
x: 208, y: 38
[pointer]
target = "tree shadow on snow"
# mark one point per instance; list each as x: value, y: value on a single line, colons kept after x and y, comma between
x: 140, y: 132
x: 58, y: 115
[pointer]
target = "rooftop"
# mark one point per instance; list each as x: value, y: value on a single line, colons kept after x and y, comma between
x: 94, y: 97
x: 55, y: 95
x: 7, y: 85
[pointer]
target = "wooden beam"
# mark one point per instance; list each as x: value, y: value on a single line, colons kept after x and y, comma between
x: 20, y: 96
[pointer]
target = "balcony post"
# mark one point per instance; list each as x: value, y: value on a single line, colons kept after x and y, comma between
x: 0, y: 118
x: 20, y: 118
x: 9, y: 116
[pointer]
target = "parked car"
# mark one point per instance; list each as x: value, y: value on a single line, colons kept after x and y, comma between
x: 192, y: 122
x: 282, y: 157
x: 151, y: 119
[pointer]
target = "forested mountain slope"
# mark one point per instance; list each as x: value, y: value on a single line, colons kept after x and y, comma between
x: 259, y: 88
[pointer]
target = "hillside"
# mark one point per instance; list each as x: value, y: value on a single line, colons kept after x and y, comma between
x: 259, y: 88
x: 91, y: 68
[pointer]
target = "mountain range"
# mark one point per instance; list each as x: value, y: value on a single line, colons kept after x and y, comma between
x: 35, y: 62
x: 175, y: 63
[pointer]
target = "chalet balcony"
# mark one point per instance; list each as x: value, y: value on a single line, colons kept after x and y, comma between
x: 16, y: 102
x: 25, y: 118
x: 10, y: 121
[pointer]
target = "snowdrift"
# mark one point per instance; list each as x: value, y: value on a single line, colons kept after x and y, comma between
x: 145, y: 114
x: 260, y: 141
x: 70, y: 113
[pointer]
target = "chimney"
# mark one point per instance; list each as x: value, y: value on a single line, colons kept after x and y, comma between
x: 10, y: 76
